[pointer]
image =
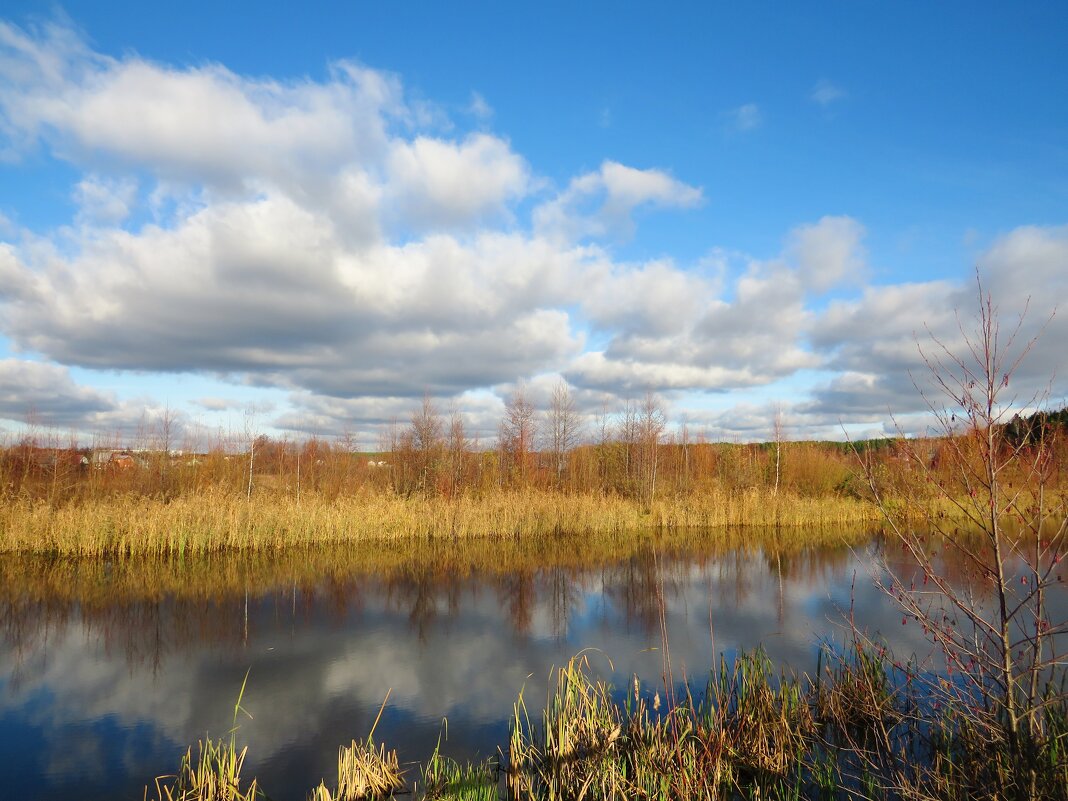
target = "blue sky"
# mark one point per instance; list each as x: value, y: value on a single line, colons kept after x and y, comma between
x: 739, y: 209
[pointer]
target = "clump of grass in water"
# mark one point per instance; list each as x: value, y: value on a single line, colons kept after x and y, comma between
x: 445, y: 779
x: 856, y: 692
x: 765, y: 728
x: 750, y: 735
x: 215, y: 775
x: 364, y: 771
x: 575, y: 751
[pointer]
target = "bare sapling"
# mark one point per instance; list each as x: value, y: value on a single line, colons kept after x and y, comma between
x: 250, y: 436
x: 984, y: 499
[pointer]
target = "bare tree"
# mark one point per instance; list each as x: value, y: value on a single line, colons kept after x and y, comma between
x: 604, y: 427
x: 995, y: 630
x: 563, y: 427
x: 777, y: 433
x: 342, y: 454
x: 684, y: 447
x: 389, y: 442
x: 628, y: 436
x: 165, y: 430
x: 651, y: 422
x: 250, y: 437
x: 604, y: 445
x: 459, y: 446
x: 427, y: 437
x: 517, y: 433
x: 165, y: 433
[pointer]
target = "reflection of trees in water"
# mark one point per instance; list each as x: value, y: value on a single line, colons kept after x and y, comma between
x: 519, y: 596
x: 732, y: 578
x: 342, y: 594
x: 28, y: 627
x: 632, y: 587
x: 108, y: 602
x: 419, y: 591
x: 811, y: 568
x: 564, y: 593
x: 144, y: 633
x: 736, y: 578
x: 637, y: 585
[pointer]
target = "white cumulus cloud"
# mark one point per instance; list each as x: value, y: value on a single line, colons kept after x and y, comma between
x: 601, y: 203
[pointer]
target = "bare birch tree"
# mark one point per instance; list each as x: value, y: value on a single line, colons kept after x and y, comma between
x: 427, y: 438
x: 777, y: 433
x: 563, y: 427
x: 165, y: 433
x: 517, y: 433
x: 628, y: 436
x: 651, y: 422
x: 459, y: 445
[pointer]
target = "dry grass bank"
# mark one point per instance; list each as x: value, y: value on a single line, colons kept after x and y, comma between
x: 216, y: 520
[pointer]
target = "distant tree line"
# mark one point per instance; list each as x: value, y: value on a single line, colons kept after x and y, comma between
x: 1037, y: 427
x: 632, y: 453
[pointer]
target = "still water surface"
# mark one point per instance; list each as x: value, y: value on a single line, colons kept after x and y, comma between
x: 108, y: 672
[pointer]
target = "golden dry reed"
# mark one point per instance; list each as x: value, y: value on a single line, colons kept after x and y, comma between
x: 216, y: 520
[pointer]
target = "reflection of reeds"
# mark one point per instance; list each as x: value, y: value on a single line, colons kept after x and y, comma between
x: 153, y: 607
x: 96, y: 583
x: 215, y: 520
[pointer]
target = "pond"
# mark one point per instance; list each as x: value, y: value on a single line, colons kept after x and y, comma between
x: 108, y: 671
